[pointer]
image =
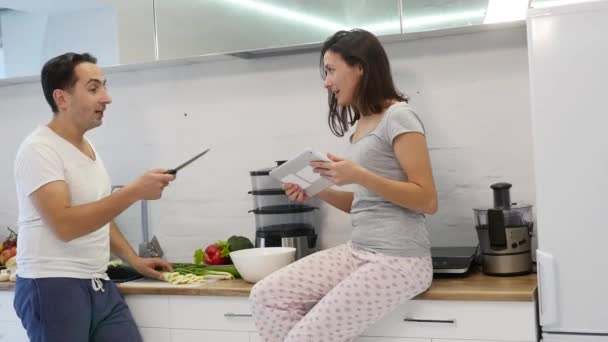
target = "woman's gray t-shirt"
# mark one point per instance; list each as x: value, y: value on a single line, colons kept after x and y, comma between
x: 379, y: 225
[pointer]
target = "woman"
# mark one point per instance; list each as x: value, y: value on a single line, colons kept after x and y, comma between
x: 336, y: 294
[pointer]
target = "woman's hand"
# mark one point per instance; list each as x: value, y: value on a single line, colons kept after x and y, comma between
x: 339, y: 170
x: 295, y: 192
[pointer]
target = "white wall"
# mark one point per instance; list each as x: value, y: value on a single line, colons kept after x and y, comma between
x: 471, y: 92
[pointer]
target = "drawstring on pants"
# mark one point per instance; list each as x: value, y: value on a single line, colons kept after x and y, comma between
x: 96, y: 282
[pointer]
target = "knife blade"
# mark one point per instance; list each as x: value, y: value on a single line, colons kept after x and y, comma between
x: 186, y: 163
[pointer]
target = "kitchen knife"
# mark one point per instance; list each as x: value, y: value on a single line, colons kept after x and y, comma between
x: 174, y: 171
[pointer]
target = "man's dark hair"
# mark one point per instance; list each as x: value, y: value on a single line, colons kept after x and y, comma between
x: 360, y: 47
x: 58, y: 73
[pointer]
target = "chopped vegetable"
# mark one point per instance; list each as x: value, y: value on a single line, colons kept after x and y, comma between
x: 182, y: 268
x: 179, y: 279
x: 115, y: 263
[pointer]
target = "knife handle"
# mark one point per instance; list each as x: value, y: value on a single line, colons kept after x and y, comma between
x: 171, y: 172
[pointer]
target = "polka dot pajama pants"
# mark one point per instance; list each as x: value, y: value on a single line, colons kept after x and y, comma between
x: 335, y: 295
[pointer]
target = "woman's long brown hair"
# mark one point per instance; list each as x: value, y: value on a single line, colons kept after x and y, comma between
x: 376, y: 88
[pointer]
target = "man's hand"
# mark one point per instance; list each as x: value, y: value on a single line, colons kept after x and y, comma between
x: 151, y: 184
x: 147, y: 266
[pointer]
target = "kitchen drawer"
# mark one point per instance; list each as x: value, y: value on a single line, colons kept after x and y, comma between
x: 12, y: 332
x: 475, y: 320
x: 155, y: 334
x: 7, y: 312
x: 187, y: 335
x: 210, y: 313
x: 254, y: 337
x: 444, y: 340
x: 394, y: 339
x: 149, y: 311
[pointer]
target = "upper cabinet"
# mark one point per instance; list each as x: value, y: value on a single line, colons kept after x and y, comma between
x: 200, y: 27
x: 427, y: 15
x: 115, y: 31
x: 120, y: 32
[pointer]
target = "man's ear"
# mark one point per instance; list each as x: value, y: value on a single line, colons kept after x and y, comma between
x: 61, y: 98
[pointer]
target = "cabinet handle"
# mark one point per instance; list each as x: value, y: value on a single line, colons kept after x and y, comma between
x: 230, y: 314
x: 442, y: 321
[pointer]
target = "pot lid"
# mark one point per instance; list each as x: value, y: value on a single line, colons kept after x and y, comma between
x: 285, y: 230
x: 514, y: 207
x: 267, y: 192
x: 283, y: 209
x: 266, y: 171
x: 261, y: 172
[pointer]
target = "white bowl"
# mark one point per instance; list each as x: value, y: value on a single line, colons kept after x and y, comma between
x: 255, y: 263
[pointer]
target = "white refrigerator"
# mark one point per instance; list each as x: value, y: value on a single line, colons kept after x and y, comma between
x: 568, y: 61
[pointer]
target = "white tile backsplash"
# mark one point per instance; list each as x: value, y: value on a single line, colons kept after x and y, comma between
x: 471, y: 92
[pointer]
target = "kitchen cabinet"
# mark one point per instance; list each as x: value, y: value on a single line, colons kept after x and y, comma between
x: 7, y: 313
x: 138, y: 32
x: 166, y: 318
x: 188, y: 335
x: 11, y: 329
x: 34, y: 31
x: 254, y: 337
x: 12, y: 332
x: 390, y: 339
x: 151, y: 311
x: 443, y: 340
x: 187, y: 28
x: 201, y: 317
x: 434, y: 15
x: 210, y: 313
x: 155, y: 334
x: 470, y: 320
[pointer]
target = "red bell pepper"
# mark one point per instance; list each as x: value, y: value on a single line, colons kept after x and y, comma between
x: 217, y: 253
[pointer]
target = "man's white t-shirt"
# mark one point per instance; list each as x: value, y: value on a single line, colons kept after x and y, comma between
x: 46, y: 157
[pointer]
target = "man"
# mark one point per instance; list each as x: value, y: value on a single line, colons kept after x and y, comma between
x: 66, y: 212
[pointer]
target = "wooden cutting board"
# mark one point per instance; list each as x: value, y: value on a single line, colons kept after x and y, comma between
x: 234, y: 287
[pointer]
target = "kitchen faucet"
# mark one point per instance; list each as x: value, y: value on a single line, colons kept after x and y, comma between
x: 147, y: 248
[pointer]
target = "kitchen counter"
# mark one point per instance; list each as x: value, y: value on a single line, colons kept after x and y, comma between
x: 474, y: 286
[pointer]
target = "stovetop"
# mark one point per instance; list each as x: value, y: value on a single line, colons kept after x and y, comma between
x: 452, y: 260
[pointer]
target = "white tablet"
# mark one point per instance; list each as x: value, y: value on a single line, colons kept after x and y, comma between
x: 298, y: 171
